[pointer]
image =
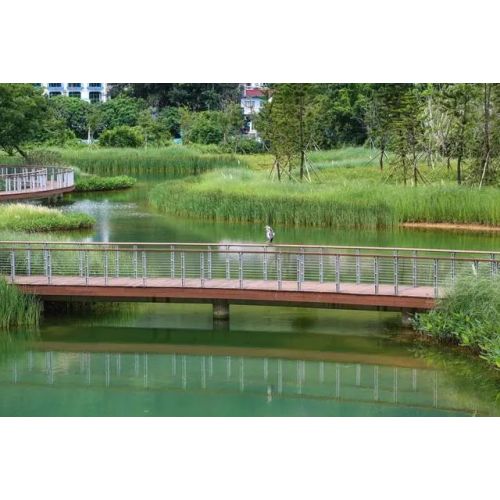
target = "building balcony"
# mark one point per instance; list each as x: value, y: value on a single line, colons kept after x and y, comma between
x: 95, y: 87
x: 55, y: 87
x: 75, y: 87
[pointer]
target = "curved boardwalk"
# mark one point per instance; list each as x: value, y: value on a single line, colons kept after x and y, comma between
x: 397, y: 279
x: 29, y: 182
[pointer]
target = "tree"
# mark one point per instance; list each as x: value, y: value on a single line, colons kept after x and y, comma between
x: 193, y: 96
x: 154, y: 130
x: 121, y: 111
x: 459, y: 102
x: 73, y: 112
x: 23, y: 116
x: 122, y: 137
x: 288, y: 124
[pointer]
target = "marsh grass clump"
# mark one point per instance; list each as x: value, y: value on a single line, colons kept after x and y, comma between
x: 469, y: 315
x: 362, y: 200
x: 17, y: 309
x: 34, y: 218
x: 174, y: 160
x: 86, y: 183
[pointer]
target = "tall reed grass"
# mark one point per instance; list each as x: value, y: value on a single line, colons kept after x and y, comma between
x: 34, y: 218
x: 246, y: 196
x: 17, y: 309
x: 176, y: 161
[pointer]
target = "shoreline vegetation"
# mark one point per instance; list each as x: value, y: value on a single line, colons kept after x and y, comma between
x: 88, y: 183
x: 361, y: 200
x: 468, y: 316
x: 16, y: 308
x: 34, y: 218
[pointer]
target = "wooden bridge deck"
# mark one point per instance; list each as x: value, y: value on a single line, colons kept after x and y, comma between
x: 313, y: 294
x: 52, y: 189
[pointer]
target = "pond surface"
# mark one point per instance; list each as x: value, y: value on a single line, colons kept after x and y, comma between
x: 170, y: 359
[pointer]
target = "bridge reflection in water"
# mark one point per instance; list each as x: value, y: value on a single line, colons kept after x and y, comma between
x: 268, y: 380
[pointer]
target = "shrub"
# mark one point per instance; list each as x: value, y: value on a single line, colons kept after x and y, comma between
x: 243, y: 146
x: 122, y: 137
x: 469, y: 315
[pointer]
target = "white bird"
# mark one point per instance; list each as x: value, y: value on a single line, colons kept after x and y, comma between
x: 269, y: 234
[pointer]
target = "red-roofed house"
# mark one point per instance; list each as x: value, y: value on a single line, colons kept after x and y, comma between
x: 252, y: 99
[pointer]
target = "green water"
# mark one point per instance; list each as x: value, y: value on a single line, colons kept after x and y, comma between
x: 168, y: 359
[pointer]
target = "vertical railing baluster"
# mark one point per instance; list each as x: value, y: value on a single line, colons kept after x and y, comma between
x: 28, y: 260
x: 228, y: 265
x: 278, y: 257
x: 144, y: 268
x: 396, y: 272
x: 297, y: 258
x: 376, y: 273
x: 265, y: 264
x: 337, y: 273
x: 453, y: 267
x: 414, y: 269
x: 135, y: 263
x: 172, y: 262
x: 240, y: 258
x: 202, y: 269
x: 105, y: 266
x: 87, y: 267
x: 117, y: 262
x: 49, y: 266
x: 12, y: 266
x: 321, y: 267
x: 209, y: 259
x: 358, y: 267
x: 183, y: 269
x: 436, y: 277
x: 80, y: 262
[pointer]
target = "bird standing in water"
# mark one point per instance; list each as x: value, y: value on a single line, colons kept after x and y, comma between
x: 269, y: 234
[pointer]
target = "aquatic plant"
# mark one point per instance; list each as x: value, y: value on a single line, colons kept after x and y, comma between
x: 85, y: 183
x: 468, y: 315
x: 241, y: 195
x: 17, y: 309
x: 34, y: 218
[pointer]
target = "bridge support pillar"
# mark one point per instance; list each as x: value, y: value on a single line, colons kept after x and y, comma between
x: 406, y: 318
x: 221, y: 310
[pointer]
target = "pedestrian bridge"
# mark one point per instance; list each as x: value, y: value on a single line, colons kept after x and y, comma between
x: 29, y: 181
x: 387, y: 279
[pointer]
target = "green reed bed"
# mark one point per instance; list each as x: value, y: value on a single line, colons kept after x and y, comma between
x: 85, y: 183
x: 246, y: 196
x: 176, y: 160
x: 33, y: 218
x: 17, y: 309
x: 469, y: 315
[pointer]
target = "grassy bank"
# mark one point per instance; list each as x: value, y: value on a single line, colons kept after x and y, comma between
x: 344, y: 201
x: 32, y: 218
x: 16, y: 308
x: 174, y: 160
x: 85, y: 183
x: 469, y: 316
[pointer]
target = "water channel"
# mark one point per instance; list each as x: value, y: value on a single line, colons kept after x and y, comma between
x: 170, y: 359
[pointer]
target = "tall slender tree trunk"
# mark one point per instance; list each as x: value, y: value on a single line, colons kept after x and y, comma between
x: 459, y: 169
x: 485, y: 158
x: 382, y: 153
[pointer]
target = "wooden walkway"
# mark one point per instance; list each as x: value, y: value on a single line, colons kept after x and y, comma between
x: 52, y: 189
x: 388, y: 279
x: 351, y: 295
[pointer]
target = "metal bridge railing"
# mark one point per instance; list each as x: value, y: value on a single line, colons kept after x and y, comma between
x: 279, y: 267
x: 19, y: 179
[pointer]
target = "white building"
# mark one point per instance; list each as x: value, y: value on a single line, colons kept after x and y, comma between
x: 91, y: 92
x: 252, y: 100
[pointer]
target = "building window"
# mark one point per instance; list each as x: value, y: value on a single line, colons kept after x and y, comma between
x: 73, y: 85
x: 54, y: 94
x: 75, y: 94
x: 94, y: 96
x: 55, y: 85
x: 94, y: 85
x: 248, y: 103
